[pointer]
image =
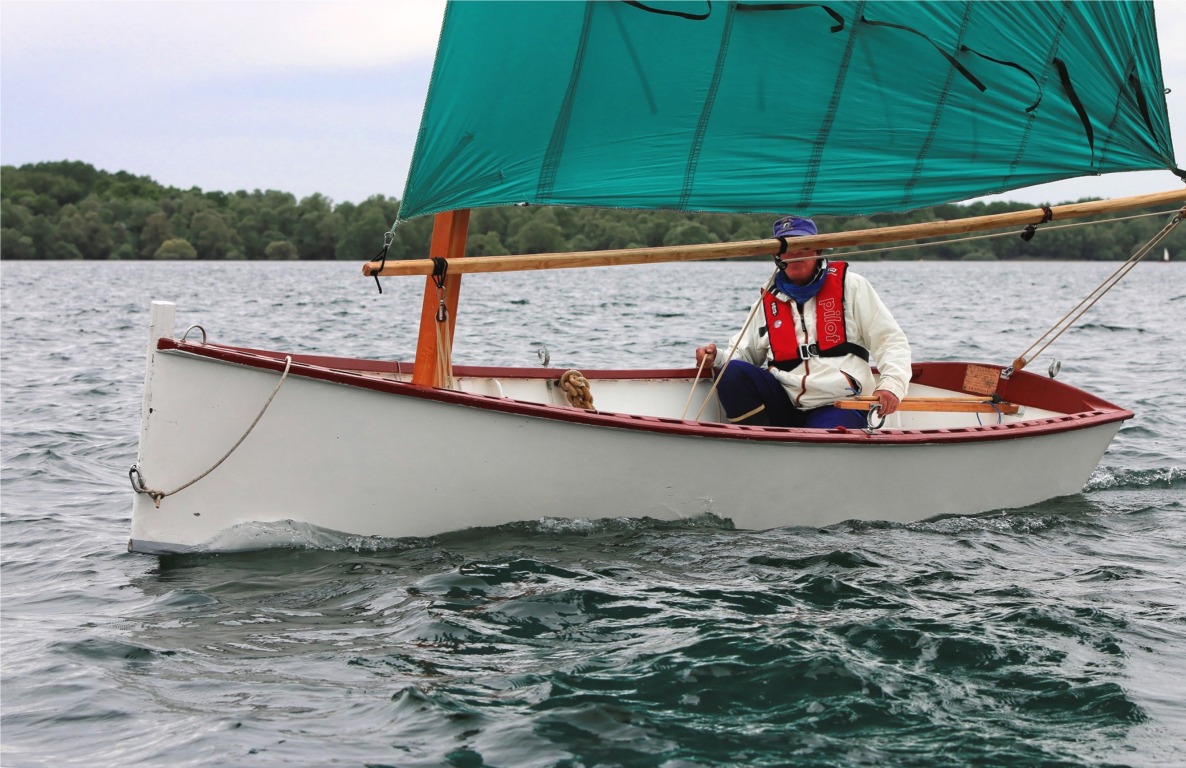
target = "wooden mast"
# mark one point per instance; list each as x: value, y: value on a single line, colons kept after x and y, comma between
x: 448, y: 242
x: 765, y: 247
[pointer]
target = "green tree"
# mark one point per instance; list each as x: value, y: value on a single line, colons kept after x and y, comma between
x: 14, y: 245
x: 485, y: 244
x: 688, y: 233
x: 157, y: 230
x: 212, y: 236
x: 69, y: 210
x: 86, y: 231
x: 61, y: 250
x: 362, y: 239
x: 176, y: 248
x: 316, y: 231
x: 538, y: 236
x: 281, y: 250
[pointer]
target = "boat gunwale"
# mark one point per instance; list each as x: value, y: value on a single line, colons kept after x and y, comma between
x: 347, y: 371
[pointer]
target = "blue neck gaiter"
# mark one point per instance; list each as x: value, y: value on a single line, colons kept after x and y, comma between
x: 801, y: 293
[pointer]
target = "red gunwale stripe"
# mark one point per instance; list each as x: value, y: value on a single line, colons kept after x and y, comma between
x: 1023, y: 388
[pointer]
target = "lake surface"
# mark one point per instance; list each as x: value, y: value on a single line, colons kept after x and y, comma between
x: 1053, y: 635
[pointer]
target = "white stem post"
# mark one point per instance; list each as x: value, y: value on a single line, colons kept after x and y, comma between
x: 160, y: 326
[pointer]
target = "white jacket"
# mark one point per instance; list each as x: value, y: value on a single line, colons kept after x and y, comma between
x: 820, y: 381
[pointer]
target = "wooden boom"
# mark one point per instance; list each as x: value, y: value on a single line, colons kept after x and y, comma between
x: 764, y: 247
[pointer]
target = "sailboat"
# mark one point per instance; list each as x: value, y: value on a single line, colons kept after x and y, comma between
x: 814, y: 109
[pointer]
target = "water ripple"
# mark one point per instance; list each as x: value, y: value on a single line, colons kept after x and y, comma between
x: 1045, y: 636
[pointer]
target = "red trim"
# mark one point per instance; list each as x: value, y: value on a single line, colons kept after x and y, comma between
x: 1082, y: 409
x: 830, y: 328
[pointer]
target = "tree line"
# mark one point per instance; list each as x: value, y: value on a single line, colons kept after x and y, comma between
x: 71, y: 210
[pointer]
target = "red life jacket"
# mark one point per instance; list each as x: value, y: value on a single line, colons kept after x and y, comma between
x: 786, y: 346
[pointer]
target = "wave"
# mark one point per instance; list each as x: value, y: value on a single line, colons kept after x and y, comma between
x: 289, y: 534
x: 1115, y: 478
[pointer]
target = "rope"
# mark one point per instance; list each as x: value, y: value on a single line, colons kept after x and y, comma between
x: 1069, y: 319
x: 444, y: 345
x: 444, y: 363
x: 733, y: 349
x: 158, y: 495
x: 576, y: 390
x: 994, y: 235
x: 699, y: 370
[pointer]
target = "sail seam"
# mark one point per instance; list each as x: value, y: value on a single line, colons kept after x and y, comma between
x: 1107, y: 140
x: 821, y: 138
x: 706, y: 111
x: 937, y: 116
x: 555, y: 151
x: 1023, y: 141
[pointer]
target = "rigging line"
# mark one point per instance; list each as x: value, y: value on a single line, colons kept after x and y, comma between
x: 733, y: 349
x: 699, y: 370
x: 1114, y: 278
x: 444, y: 375
x: 444, y: 344
x: 1009, y: 233
x: 156, y: 496
x: 1088, y: 301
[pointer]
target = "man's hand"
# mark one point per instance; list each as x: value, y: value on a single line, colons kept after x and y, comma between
x: 888, y: 401
x: 708, y: 351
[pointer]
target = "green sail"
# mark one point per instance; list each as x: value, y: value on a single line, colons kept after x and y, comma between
x: 832, y: 108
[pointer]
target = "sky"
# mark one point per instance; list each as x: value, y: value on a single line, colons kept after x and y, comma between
x: 299, y: 96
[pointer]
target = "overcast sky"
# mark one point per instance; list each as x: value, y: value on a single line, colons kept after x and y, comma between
x: 301, y: 97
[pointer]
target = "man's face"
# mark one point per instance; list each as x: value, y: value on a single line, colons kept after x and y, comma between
x: 801, y: 272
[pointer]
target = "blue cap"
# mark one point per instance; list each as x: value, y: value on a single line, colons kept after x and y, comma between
x: 794, y: 226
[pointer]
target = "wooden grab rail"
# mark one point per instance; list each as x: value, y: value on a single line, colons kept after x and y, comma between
x: 938, y: 404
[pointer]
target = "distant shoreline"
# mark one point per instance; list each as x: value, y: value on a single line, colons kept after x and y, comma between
x: 70, y: 211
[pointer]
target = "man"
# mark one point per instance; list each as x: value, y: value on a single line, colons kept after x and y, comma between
x: 810, y: 344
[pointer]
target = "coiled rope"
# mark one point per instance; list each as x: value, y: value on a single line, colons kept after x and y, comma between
x: 156, y: 496
x: 576, y: 390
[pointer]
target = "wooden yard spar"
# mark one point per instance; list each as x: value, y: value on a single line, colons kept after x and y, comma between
x: 438, y: 313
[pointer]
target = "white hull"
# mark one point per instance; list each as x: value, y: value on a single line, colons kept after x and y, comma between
x: 365, y: 454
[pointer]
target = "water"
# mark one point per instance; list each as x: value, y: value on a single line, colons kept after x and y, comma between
x: 1048, y: 636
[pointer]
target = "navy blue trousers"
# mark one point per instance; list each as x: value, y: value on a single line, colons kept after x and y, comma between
x: 751, y: 395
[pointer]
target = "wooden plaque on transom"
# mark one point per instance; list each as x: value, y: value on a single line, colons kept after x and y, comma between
x: 981, y: 379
